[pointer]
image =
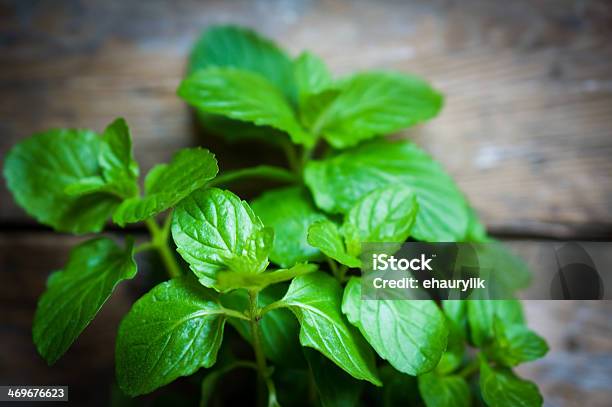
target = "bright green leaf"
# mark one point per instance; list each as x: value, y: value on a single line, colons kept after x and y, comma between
x: 39, y: 169
x: 386, y: 214
x: 454, y: 310
x: 376, y: 103
x: 502, y: 388
x: 85, y: 186
x: 290, y: 212
x: 339, y: 182
x: 411, y: 335
x: 211, y: 226
x: 238, y: 47
x: 231, y: 280
x: 116, y: 157
x: 245, y: 96
x: 334, y: 386
x: 352, y: 240
x: 254, y: 258
x: 121, y: 188
x: 515, y: 344
x: 151, y: 181
x: 235, y: 131
x: 444, y: 391
x: 511, y: 271
x: 170, y: 332
x: 482, y: 313
x: 167, y: 184
x: 311, y: 74
x: 315, y: 300
x: 311, y: 106
x: 326, y: 236
x: 75, y: 295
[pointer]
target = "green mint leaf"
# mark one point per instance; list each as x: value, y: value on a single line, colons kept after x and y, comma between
x: 289, y: 211
x: 152, y: 180
x: 116, y: 157
x: 51, y: 162
x: 334, y: 386
x: 237, y: 47
x: 339, y: 182
x: 411, y: 335
x: 444, y: 391
x: 315, y: 300
x: 245, y: 96
x: 386, y: 214
x: 456, y: 320
x: 171, y: 331
x: 511, y: 271
x: 453, y: 356
x: 482, y: 313
x: 210, y: 227
x: 279, y: 329
x: 456, y: 311
x: 311, y: 75
x: 75, y: 295
x: 326, y: 236
x: 502, y: 388
x: 254, y: 258
x: 231, y: 280
x: 235, y: 131
x: 311, y: 106
x: 352, y: 240
x: 167, y: 184
x: 86, y: 186
x: 376, y: 103
x: 515, y: 344
x: 121, y: 188
x: 119, y: 169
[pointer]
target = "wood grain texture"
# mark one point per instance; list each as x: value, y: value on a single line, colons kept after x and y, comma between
x: 576, y: 372
x: 526, y: 131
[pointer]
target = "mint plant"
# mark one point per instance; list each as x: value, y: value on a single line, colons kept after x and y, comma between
x: 283, y: 271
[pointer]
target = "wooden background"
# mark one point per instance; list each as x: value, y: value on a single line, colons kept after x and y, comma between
x: 526, y: 132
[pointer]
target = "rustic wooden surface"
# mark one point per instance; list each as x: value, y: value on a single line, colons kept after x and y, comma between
x: 527, y: 128
x: 526, y: 132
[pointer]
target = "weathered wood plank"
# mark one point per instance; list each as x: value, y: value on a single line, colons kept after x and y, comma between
x: 575, y: 372
x: 527, y: 128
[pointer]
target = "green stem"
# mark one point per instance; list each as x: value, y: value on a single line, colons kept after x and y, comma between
x: 235, y: 314
x: 260, y: 358
x: 307, y: 155
x: 144, y: 247
x: 260, y: 171
x: 292, y: 158
x: 470, y: 368
x: 342, y: 273
x: 159, y: 238
x: 333, y: 266
x: 270, y: 307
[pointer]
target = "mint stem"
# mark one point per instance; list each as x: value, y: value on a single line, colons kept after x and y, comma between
x: 470, y: 368
x: 159, y: 238
x: 260, y: 171
x: 260, y: 358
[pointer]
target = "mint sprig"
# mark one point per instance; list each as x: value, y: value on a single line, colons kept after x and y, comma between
x: 280, y: 270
